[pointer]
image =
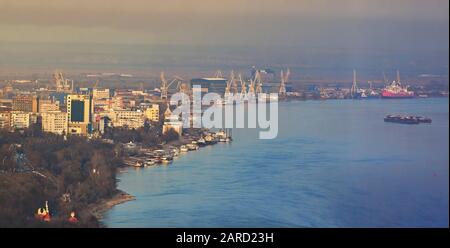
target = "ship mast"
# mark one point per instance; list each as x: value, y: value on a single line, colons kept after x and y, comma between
x: 385, y: 79
x: 284, y: 79
x: 398, y: 77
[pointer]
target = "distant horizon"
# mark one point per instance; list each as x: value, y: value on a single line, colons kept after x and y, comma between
x: 317, y: 39
x: 240, y: 22
x: 22, y: 59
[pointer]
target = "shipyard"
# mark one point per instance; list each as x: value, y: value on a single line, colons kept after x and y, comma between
x: 87, y: 105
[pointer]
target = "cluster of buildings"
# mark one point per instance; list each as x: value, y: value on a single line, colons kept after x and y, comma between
x: 89, y: 111
x: 84, y: 112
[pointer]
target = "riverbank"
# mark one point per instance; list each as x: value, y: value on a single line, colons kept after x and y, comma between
x: 98, y: 209
x: 140, y: 156
x: 172, y: 149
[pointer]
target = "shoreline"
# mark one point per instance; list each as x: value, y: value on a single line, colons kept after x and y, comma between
x: 100, y: 208
x: 164, y: 153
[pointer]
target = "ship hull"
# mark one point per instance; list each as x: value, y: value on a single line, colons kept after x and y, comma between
x: 387, y: 94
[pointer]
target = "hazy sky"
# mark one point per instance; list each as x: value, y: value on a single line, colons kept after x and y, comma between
x: 315, y: 38
x: 333, y: 23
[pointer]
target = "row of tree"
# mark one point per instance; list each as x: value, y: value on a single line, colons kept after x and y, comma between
x: 70, y: 173
x: 148, y: 136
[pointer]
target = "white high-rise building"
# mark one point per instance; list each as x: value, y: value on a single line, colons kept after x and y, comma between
x: 128, y: 118
x: 20, y: 119
x: 48, y: 105
x: 54, y: 122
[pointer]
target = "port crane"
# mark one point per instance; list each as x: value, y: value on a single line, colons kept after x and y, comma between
x: 95, y: 84
x: 354, y: 89
x: 243, y: 87
x: 182, y: 87
x: 218, y: 74
x: 230, y: 83
x: 234, y: 84
x: 165, y: 85
x: 251, y: 87
x: 284, y: 79
x: 62, y: 84
x: 258, y: 82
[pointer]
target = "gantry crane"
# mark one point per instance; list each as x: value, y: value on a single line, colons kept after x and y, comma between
x: 218, y: 74
x: 95, y: 84
x: 284, y: 79
x: 230, y: 82
x: 251, y: 87
x: 258, y: 82
x: 234, y: 84
x: 61, y: 83
x: 165, y: 85
x: 243, y: 87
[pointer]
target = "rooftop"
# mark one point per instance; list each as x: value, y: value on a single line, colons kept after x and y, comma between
x: 209, y: 79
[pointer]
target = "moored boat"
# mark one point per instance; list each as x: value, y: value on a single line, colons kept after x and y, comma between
x: 184, y: 148
x: 192, y: 147
x: 150, y: 162
x: 138, y: 164
x: 201, y: 142
x: 166, y: 160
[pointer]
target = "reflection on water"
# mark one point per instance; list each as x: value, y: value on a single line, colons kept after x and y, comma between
x: 334, y: 164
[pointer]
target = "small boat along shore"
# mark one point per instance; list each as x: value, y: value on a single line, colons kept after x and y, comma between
x: 157, y: 155
x: 165, y: 153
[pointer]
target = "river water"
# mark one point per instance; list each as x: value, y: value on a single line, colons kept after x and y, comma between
x: 334, y: 164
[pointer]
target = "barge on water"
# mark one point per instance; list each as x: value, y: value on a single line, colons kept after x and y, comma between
x: 406, y: 119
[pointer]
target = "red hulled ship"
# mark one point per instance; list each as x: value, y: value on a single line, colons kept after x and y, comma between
x: 395, y: 90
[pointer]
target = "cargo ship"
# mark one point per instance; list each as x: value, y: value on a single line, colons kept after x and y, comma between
x: 407, y: 119
x: 396, y: 90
